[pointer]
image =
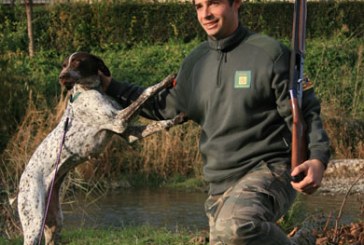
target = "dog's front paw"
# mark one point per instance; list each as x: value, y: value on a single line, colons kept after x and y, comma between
x: 169, y: 81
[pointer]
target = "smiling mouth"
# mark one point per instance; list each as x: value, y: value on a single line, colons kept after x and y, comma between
x: 210, y: 25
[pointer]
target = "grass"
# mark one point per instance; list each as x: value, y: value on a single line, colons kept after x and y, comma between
x: 179, y: 182
x: 122, y: 236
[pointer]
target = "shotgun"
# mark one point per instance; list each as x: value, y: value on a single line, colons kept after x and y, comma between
x: 299, y: 145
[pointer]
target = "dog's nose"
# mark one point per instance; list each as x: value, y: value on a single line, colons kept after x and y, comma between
x: 64, y: 76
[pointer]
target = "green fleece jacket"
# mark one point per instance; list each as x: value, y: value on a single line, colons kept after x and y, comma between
x: 236, y: 89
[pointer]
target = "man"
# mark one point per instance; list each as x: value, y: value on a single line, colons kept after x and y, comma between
x: 235, y: 86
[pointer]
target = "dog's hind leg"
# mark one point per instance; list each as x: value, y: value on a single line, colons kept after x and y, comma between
x: 31, y: 208
x: 54, y: 221
x: 31, y: 201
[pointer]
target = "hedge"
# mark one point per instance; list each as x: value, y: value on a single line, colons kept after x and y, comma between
x: 81, y: 26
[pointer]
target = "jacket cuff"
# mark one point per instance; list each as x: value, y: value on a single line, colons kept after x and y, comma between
x: 324, y: 158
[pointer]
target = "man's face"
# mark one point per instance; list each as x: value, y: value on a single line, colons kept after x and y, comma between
x: 218, y: 18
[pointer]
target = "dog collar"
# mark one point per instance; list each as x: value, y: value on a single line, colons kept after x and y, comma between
x: 73, y: 97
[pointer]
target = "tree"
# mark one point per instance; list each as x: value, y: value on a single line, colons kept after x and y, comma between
x: 29, y: 12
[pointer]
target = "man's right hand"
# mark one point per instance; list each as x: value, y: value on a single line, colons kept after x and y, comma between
x: 313, y: 170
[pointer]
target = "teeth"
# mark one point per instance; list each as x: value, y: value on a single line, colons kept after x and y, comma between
x: 209, y: 25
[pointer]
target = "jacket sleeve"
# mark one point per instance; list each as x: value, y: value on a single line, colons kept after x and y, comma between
x: 317, y: 139
x: 124, y: 92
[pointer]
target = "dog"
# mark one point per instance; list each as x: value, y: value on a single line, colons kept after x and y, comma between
x: 91, y: 118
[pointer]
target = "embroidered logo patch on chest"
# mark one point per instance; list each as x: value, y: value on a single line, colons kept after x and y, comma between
x: 242, y: 79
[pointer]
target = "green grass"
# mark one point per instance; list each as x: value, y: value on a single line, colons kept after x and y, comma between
x: 185, y: 183
x: 122, y: 236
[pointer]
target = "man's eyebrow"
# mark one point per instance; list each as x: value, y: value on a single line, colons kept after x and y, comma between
x: 208, y: 2
x: 197, y: 4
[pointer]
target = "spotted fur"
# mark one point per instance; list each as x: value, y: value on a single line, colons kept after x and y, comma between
x: 92, y: 119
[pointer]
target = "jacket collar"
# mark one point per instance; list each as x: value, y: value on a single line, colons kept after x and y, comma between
x: 230, y: 42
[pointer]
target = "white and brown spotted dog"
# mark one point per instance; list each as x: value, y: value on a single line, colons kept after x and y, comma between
x: 92, y: 118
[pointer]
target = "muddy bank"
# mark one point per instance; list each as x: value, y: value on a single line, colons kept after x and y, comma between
x: 341, y: 174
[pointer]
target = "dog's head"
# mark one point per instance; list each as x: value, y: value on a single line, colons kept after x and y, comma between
x: 82, y: 68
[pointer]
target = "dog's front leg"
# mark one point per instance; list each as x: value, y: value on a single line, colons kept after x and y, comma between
x: 130, y: 111
x: 134, y: 133
x: 120, y: 123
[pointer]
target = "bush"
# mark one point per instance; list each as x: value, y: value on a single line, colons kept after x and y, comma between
x: 105, y: 26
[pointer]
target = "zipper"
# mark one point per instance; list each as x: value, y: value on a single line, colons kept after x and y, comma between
x: 221, y: 58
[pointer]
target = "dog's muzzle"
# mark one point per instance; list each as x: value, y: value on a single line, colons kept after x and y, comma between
x: 68, y: 80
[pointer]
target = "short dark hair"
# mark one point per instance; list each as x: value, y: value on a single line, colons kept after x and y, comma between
x: 230, y: 1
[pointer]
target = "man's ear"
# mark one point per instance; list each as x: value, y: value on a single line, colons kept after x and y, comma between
x: 237, y: 3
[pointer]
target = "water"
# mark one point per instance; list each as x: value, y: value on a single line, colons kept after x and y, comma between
x: 156, y: 207
x: 173, y: 209
x: 352, y: 209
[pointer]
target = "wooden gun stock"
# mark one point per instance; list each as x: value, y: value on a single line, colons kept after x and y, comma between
x: 299, y: 144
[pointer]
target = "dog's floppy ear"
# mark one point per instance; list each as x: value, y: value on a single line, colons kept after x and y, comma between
x: 103, y: 68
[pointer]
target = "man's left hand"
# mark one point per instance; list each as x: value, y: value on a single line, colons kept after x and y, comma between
x: 313, y: 171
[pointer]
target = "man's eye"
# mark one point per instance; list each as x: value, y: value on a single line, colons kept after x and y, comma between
x: 198, y: 6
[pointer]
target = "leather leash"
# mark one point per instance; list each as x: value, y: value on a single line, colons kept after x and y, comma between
x: 65, y: 128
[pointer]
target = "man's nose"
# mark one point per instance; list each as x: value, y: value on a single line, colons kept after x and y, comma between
x: 205, y: 12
